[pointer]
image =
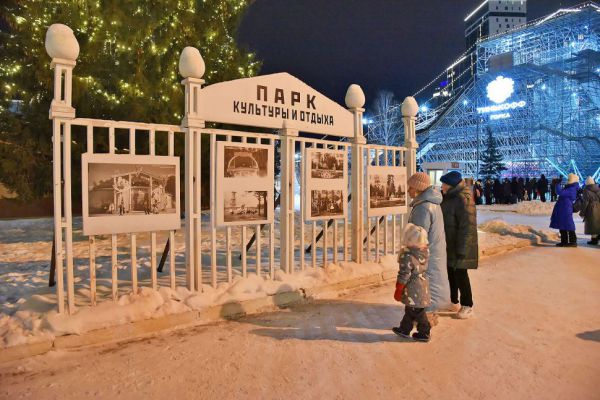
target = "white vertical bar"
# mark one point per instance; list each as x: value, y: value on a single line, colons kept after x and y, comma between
x: 114, y: 268
x: 292, y: 208
x: 131, y: 140
x: 57, y: 189
x: 213, y: 211
x: 171, y: 143
x: 152, y: 142
x: 153, y: 276
x: 377, y: 224
x: 172, y: 259
x: 325, y: 244
x: 385, y: 221
x: 368, y: 235
x: 68, y: 215
x: 134, y: 281
x: 314, y: 244
x: 272, y: 250
x: 111, y: 140
x: 258, y: 261
x: 394, y: 234
x: 302, y: 204
x: 243, y: 249
x: 90, y: 138
x: 228, y: 255
x: 92, y: 243
x: 335, y: 241
x: 197, y: 208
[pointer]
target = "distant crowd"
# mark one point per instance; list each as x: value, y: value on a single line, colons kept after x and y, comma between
x: 515, y: 190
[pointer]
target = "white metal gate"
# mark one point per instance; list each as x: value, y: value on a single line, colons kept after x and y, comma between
x: 213, y: 254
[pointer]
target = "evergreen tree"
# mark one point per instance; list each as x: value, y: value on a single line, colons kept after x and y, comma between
x: 126, y: 70
x: 491, y: 158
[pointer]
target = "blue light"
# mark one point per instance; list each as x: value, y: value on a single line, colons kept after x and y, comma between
x: 465, y: 102
x: 424, y: 108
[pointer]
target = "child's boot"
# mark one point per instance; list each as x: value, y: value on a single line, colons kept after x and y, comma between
x: 421, y: 337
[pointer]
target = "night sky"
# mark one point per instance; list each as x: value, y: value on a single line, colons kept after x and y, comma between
x: 398, y: 45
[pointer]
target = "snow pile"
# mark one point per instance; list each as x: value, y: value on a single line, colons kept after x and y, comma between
x: 534, y: 208
x: 500, y: 227
x: 33, y: 322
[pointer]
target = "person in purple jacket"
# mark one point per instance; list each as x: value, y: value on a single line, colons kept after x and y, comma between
x: 562, y: 214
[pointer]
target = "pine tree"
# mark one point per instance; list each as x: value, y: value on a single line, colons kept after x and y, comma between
x: 126, y: 70
x: 491, y: 158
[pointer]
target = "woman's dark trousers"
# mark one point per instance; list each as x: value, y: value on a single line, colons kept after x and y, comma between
x: 460, y: 283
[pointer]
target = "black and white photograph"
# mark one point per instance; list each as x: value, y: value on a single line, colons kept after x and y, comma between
x: 127, y: 189
x: 327, y: 203
x: 129, y: 193
x: 246, y: 206
x: 245, y: 183
x: 327, y: 165
x: 245, y: 162
x: 387, y: 190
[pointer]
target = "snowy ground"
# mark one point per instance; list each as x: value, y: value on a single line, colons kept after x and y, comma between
x: 27, y: 304
x: 536, y: 335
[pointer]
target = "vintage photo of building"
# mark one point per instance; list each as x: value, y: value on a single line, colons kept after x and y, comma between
x: 327, y: 165
x: 245, y: 162
x: 387, y: 190
x: 129, y: 189
x: 243, y: 206
x: 327, y: 203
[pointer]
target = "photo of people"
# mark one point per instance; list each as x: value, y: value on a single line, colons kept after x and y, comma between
x: 327, y: 165
x: 245, y: 162
x: 129, y: 189
x: 327, y: 203
x: 245, y: 206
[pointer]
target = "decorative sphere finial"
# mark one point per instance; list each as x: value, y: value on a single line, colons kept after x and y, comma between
x: 191, y: 64
x: 355, y: 97
x: 61, y: 42
x: 410, y: 108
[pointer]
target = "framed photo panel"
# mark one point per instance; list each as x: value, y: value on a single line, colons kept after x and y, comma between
x: 386, y: 192
x: 125, y: 193
x: 244, y: 182
x: 326, y: 181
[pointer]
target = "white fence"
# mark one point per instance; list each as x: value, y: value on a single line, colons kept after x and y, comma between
x: 215, y: 254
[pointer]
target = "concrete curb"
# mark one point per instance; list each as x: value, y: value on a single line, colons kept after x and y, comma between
x: 227, y: 311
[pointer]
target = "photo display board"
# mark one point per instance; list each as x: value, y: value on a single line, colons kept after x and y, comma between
x: 326, y: 181
x: 386, y: 194
x: 125, y: 193
x: 244, y: 184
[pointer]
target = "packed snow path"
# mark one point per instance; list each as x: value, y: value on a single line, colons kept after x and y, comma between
x: 536, y: 335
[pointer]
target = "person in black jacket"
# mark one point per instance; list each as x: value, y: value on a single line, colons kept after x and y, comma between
x: 520, y: 189
x: 542, y: 187
x: 460, y: 226
x: 488, y: 191
x: 507, y: 192
x: 498, y: 191
x: 528, y: 189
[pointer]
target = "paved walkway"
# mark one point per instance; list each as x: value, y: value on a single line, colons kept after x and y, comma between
x: 536, y: 336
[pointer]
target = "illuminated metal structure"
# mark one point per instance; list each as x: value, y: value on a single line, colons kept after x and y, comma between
x: 537, y: 88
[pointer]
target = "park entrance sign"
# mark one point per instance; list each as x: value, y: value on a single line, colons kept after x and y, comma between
x: 249, y: 177
x: 274, y: 101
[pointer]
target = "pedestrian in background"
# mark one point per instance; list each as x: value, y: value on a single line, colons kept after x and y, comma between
x: 562, y: 214
x: 542, y: 187
x: 588, y: 206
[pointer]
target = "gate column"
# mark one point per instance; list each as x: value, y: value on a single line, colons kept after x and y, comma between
x: 191, y: 67
x: 410, y: 108
x: 355, y: 100
x: 286, y: 209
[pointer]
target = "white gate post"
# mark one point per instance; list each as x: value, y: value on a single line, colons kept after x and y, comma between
x: 286, y: 207
x: 62, y: 47
x: 191, y: 67
x: 410, y: 108
x: 355, y: 100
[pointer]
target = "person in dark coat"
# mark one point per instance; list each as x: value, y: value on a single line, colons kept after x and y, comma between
x: 588, y: 206
x: 562, y: 214
x: 460, y: 225
x: 498, y: 191
x: 542, y: 187
x: 528, y: 189
x: 488, y: 189
x: 478, y: 192
x: 520, y: 189
x: 534, y: 191
x: 514, y: 190
x: 507, y: 192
